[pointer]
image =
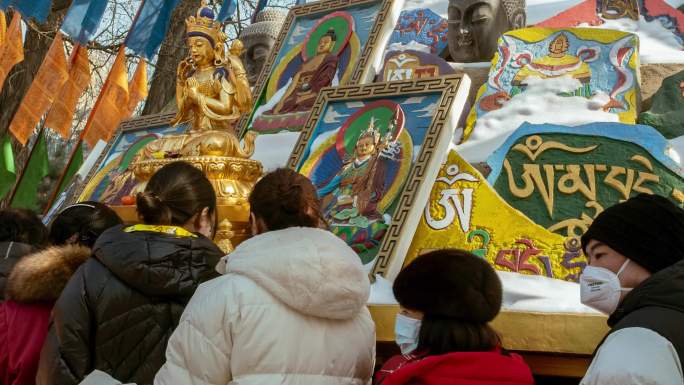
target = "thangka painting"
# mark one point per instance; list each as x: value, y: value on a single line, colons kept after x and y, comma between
x: 598, y: 65
x: 112, y: 179
x: 563, y: 177
x: 370, y: 150
x: 465, y: 212
x: 326, y: 43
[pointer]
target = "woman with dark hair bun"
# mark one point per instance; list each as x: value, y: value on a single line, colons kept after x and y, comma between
x: 119, y: 309
x: 289, y: 308
x: 447, y: 299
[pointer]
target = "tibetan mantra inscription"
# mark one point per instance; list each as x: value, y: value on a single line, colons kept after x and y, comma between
x: 563, y: 180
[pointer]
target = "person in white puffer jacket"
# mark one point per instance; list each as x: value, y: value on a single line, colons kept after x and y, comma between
x: 289, y: 309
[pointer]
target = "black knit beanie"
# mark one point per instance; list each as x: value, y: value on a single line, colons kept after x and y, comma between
x: 648, y: 229
x: 452, y: 284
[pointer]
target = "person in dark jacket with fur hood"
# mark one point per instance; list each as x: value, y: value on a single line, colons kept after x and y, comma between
x: 636, y: 276
x: 21, y: 233
x: 119, y: 309
x: 36, y: 282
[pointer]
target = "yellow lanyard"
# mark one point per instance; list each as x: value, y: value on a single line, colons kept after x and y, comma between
x: 171, y: 230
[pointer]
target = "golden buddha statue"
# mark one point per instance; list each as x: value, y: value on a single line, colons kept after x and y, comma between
x: 212, y: 89
x: 212, y: 92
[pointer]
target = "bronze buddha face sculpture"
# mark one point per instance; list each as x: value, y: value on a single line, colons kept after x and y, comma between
x: 476, y: 25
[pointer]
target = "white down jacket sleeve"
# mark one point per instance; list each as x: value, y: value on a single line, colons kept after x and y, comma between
x: 199, y: 349
x: 635, y: 356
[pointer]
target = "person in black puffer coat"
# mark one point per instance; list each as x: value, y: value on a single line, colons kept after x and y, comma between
x: 636, y: 276
x: 21, y: 233
x: 119, y: 309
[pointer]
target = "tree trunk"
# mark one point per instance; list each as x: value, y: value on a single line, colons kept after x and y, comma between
x: 172, y: 51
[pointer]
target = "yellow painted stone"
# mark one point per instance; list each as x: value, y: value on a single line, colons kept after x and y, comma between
x: 465, y: 212
x: 603, y: 60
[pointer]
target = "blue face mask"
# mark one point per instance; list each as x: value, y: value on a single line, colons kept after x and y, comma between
x: 406, y: 331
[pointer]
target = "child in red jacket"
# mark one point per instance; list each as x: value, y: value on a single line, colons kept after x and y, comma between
x: 447, y: 299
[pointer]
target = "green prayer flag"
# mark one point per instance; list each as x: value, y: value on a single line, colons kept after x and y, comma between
x: 76, y: 164
x: 7, y: 172
x: 37, y: 168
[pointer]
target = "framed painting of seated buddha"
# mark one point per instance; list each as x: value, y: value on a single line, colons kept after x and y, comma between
x: 322, y: 44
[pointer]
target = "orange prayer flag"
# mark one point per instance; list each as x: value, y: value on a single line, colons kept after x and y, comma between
x: 3, y: 27
x: 111, y: 105
x: 60, y: 117
x: 43, y: 90
x: 137, y: 88
x: 12, y: 49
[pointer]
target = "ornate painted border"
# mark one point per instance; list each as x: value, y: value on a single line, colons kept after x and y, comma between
x: 306, y: 10
x: 415, y: 193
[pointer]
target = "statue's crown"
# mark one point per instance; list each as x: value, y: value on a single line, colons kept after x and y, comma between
x: 203, y: 24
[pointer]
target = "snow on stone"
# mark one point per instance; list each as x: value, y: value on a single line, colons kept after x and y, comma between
x: 657, y: 44
x: 539, y: 103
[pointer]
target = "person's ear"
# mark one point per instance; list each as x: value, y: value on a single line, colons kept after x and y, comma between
x: 204, y: 223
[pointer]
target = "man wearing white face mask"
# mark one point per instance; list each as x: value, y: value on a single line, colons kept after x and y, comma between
x: 636, y: 276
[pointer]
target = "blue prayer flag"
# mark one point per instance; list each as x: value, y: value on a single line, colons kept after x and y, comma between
x: 227, y: 10
x: 150, y: 26
x: 83, y: 19
x: 260, y: 6
x: 300, y: 2
x: 37, y: 9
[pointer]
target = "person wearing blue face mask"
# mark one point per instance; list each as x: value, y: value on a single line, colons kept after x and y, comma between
x: 447, y: 299
x: 636, y: 277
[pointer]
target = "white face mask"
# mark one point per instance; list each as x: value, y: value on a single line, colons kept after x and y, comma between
x: 406, y: 331
x: 600, y: 288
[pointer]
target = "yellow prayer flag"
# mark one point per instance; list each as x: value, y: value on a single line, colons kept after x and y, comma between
x: 137, y: 88
x: 111, y: 105
x: 12, y: 49
x: 60, y: 117
x: 43, y: 90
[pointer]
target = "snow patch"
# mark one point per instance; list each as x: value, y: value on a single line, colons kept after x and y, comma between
x: 521, y: 292
x: 273, y: 150
x: 412, y: 45
x: 539, y: 103
x: 657, y: 44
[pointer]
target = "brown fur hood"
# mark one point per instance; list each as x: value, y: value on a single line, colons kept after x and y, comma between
x: 42, y: 276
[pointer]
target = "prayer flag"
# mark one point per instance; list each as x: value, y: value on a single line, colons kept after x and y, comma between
x: 83, y: 19
x: 7, y: 171
x: 76, y: 163
x: 260, y: 6
x: 227, y: 10
x: 112, y: 104
x: 300, y: 2
x: 37, y: 9
x: 60, y: 117
x: 3, y: 27
x: 12, y: 50
x: 137, y: 88
x: 45, y: 87
x: 150, y: 26
x: 37, y: 168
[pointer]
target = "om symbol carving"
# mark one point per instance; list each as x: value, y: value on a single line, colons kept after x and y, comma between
x: 451, y: 203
